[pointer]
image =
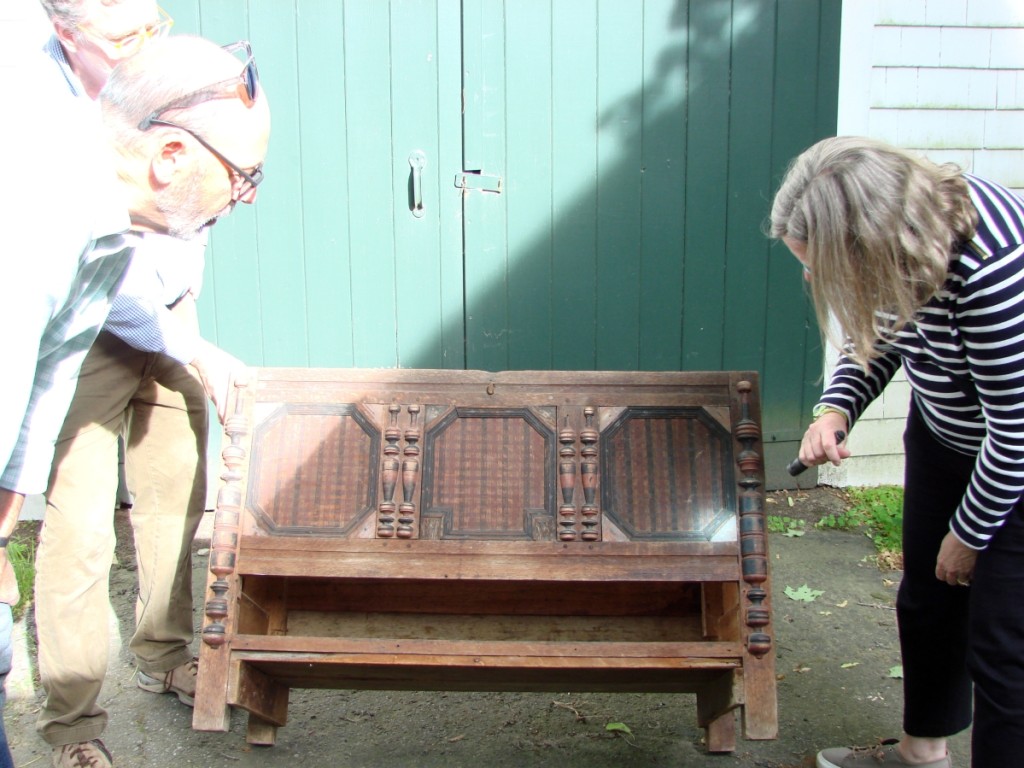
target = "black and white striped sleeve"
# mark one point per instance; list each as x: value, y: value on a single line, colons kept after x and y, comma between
x: 990, y: 318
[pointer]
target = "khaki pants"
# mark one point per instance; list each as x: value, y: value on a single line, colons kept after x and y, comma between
x: 160, y: 407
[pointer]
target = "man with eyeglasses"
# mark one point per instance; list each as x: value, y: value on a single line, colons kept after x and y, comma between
x: 93, y: 36
x: 146, y: 378
x: 173, y: 157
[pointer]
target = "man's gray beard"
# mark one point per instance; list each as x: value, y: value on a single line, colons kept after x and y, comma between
x: 179, y: 207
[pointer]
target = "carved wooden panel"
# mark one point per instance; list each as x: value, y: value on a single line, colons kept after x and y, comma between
x: 488, y: 475
x: 314, y: 469
x: 667, y: 473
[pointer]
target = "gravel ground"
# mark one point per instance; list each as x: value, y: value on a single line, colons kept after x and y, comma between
x: 835, y: 660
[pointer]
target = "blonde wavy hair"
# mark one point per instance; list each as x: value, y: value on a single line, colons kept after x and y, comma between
x: 880, y: 225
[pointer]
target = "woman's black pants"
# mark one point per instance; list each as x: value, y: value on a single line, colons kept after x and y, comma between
x: 951, y: 637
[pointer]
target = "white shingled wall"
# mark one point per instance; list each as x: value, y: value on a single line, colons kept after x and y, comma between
x: 946, y: 78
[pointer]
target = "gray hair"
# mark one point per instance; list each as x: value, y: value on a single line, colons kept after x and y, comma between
x: 68, y: 13
x: 880, y: 225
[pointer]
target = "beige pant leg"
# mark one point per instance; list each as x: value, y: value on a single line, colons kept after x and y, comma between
x: 166, y: 466
x: 77, y: 545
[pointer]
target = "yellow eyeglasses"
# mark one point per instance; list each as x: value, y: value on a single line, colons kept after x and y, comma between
x: 126, y: 45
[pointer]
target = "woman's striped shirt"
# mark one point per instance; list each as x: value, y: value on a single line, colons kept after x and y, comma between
x: 964, y: 360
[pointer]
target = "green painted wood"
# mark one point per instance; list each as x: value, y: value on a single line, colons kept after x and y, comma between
x: 619, y: 193
x: 486, y: 257
x: 450, y: 149
x: 574, y: 188
x: 332, y: 268
x: 528, y: 188
x: 372, y: 258
x: 232, y: 271
x: 637, y: 144
x: 416, y: 48
x: 282, y: 266
x: 706, y: 185
x: 665, y: 137
x: 324, y: 186
x: 792, y: 362
x: 750, y: 184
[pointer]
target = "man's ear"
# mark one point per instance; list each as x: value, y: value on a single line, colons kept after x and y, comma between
x: 65, y: 36
x: 171, y: 157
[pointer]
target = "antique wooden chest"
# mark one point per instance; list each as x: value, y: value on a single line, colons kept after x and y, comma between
x: 466, y: 530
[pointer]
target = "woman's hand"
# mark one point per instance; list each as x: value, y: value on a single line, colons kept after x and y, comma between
x: 955, y: 563
x: 819, y: 443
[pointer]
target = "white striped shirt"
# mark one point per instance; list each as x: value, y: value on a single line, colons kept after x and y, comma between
x: 964, y: 360
x: 62, y: 257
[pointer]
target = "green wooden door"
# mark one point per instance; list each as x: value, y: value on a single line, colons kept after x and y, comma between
x: 637, y: 146
x: 596, y: 177
x: 334, y: 266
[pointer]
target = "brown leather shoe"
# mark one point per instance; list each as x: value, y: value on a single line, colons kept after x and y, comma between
x: 180, y: 681
x: 84, y: 754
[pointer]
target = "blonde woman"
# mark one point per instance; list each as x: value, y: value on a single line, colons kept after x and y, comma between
x: 918, y: 265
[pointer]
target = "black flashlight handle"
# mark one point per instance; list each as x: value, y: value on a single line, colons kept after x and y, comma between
x: 796, y: 466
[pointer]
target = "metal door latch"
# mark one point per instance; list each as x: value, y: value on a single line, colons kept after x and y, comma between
x: 478, y: 180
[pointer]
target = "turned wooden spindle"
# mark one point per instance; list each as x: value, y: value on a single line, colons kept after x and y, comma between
x: 224, y: 542
x: 567, y: 483
x: 390, y: 465
x: 590, y: 477
x: 753, y: 544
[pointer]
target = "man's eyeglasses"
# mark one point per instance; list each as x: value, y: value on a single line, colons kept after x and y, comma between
x: 127, y: 45
x: 249, y: 179
x: 246, y: 83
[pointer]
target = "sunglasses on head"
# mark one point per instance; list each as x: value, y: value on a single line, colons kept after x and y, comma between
x: 247, y: 87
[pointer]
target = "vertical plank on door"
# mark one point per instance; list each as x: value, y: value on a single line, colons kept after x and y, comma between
x: 325, y: 185
x: 826, y: 115
x: 666, y: 112
x: 750, y: 183
x: 485, y: 253
x: 789, y: 324
x: 527, y: 184
x: 450, y: 109
x: 367, y: 41
x: 229, y: 306
x: 415, y: 52
x: 574, y: 184
x: 706, y: 185
x: 619, y: 75
x: 281, y: 254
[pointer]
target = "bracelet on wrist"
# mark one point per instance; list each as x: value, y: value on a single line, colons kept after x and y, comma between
x: 822, y: 408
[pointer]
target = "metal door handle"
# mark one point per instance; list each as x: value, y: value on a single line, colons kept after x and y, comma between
x: 417, y: 160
